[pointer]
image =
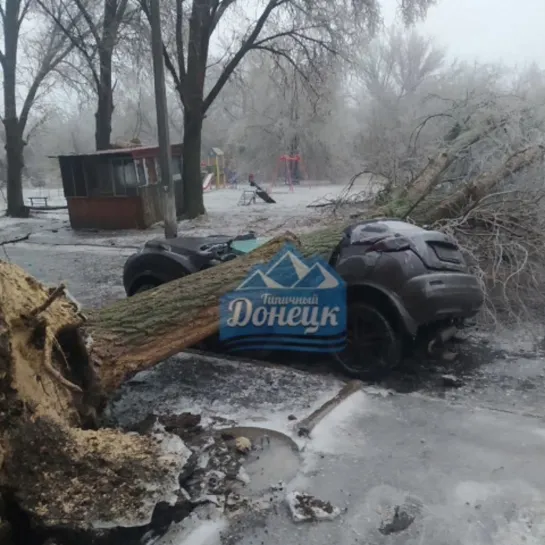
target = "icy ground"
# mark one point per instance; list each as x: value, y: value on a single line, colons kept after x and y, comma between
x: 434, y: 466
x: 291, y: 212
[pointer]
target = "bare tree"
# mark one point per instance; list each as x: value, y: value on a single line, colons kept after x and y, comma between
x: 398, y: 63
x: 51, y: 49
x: 275, y: 109
x: 396, y: 73
x: 94, y: 32
x: 280, y: 28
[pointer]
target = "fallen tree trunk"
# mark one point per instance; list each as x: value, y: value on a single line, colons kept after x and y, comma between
x: 402, y: 204
x: 483, y: 185
x: 138, y: 332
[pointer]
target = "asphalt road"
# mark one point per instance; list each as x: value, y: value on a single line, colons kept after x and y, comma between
x: 465, y: 476
x: 92, y: 274
x: 464, y: 465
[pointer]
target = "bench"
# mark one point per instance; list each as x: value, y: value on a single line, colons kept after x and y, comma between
x: 40, y: 201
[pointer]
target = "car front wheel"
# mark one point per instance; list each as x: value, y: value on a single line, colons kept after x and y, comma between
x: 373, y: 347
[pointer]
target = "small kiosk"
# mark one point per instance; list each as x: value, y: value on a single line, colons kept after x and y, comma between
x: 117, y: 188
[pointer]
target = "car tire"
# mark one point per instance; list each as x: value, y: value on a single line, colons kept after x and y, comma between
x: 374, y: 348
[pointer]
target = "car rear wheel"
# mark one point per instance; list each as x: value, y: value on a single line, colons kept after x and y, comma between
x: 373, y: 346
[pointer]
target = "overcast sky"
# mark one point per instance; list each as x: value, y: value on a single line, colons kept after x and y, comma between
x: 511, y: 31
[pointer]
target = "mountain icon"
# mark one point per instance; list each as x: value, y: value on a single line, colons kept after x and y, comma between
x: 288, y: 270
x: 258, y: 280
x: 317, y: 277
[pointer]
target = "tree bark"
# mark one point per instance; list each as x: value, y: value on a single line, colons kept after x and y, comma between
x: 14, y: 158
x: 14, y: 137
x: 105, y: 107
x: 193, y: 199
x: 193, y: 100
x: 140, y: 331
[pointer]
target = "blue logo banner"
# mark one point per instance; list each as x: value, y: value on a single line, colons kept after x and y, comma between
x: 291, y: 303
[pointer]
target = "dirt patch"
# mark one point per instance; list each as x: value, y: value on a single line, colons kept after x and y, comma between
x: 308, y: 503
x: 67, y: 477
x: 187, y: 426
x: 305, y: 507
x: 400, y: 521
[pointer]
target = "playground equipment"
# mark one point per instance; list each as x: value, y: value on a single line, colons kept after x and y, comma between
x: 207, y: 182
x: 231, y: 178
x: 249, y: 196
x: 291, y: 169
x: 215, y: 164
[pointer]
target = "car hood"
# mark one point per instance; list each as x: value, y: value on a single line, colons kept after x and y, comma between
x: 197, y: 244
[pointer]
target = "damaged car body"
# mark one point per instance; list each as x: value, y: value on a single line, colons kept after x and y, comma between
x: 403, y: 283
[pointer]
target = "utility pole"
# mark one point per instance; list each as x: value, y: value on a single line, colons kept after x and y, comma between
x: 169, y: 207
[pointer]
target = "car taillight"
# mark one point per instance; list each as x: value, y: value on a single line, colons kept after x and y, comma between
x: 449, y: 253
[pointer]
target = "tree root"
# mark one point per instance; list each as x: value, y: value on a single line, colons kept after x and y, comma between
x: 57, y: 292
x: 48, y: 349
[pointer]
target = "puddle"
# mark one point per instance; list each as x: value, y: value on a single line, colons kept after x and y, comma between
x: 274, y: 458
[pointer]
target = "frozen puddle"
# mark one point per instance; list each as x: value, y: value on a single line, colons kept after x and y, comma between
x: 273, y: 460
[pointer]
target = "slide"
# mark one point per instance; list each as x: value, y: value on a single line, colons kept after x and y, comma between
x: 207, y: 182
x: 262, y: 194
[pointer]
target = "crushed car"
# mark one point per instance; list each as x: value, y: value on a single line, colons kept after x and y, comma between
x: 403, y: 283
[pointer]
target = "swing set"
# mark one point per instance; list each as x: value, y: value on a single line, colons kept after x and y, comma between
x: 291, y: 169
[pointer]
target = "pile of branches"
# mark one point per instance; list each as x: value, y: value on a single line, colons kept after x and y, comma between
x: 354, y: 196
x: 496, y: 213
x: 498, y: 219
x: 503, y: 239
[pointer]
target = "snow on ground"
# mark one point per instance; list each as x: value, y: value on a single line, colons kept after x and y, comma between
x: 289, y: 212
x: 195, y: 531
x: 224, y: 215
x: 54, y: 195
